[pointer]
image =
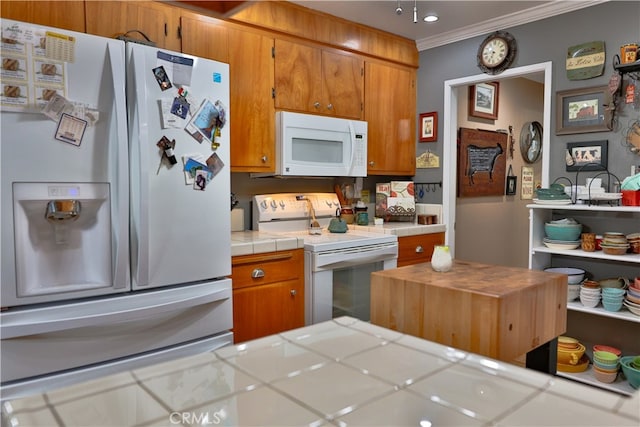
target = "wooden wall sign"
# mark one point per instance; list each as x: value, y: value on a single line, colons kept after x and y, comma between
x: 481, y: 162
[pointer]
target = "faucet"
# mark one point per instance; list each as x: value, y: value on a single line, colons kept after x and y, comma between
x: 312, y: 212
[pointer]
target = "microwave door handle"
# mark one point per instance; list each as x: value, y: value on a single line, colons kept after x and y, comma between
x: 352, y: 134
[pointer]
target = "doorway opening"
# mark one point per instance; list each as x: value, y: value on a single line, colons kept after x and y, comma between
x: 452, y: 96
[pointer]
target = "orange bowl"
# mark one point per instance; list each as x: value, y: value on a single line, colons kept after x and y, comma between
x: 602, y: 347
x: 604, y: 376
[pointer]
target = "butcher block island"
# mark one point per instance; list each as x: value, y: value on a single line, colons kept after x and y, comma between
x: 500, y: 312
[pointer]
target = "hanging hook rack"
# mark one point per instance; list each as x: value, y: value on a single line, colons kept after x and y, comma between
x: 426, y: 187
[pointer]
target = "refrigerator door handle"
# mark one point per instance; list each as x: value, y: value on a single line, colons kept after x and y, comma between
x: 140, y: 192
x: 120, y: 207
x: 64, y: 319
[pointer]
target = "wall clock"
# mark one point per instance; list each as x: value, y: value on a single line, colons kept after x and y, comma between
x: 496, y: 52
x: 531, y: 141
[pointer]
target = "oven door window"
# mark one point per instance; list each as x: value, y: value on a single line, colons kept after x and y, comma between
x: 352, y: 290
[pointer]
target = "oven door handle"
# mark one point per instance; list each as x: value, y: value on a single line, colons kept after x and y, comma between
x: 338, y: 259
x: 101, y: 313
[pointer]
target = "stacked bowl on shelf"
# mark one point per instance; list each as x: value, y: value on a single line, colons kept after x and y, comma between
x: 570, y: 354
x: 590, y: 293
x: 606, y: 364
x: 634, y: 242
x: 612, y: 298
x: 632, y: 298
x: 614, y: 243
x: 562, y: 234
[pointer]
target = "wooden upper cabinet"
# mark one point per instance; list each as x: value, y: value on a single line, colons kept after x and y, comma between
x: 157, y: 21
x: 252, y: 108
x: 68, y: 15
x: 205, y: 38
x: 390, y: 110
x: 314, y: 80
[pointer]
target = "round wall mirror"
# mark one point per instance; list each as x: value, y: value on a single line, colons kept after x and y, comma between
x: 531, y: 141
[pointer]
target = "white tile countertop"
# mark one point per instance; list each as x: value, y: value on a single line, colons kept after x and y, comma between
x: 254, y: 242
x: 401, y: 229
x: 341, y: 372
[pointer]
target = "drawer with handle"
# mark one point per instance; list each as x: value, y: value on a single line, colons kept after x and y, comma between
x: 265, y: 268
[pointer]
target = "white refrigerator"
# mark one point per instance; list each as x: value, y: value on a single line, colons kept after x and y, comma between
x: 115, y: 206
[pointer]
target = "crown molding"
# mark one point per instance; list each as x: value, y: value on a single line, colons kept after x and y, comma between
x: 537, y: 13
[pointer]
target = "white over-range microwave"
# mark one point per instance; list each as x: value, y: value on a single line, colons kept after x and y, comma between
x: 319, y: 146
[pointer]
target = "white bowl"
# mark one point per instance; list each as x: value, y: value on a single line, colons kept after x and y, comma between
x: 574, y: 275
x: 573, y: 292
x: 589, y: 302
x: 631, y: 308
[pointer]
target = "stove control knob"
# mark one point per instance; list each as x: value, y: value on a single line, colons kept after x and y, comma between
x: 263, y: 204
x: 274, y: 204
x: 281, y: 204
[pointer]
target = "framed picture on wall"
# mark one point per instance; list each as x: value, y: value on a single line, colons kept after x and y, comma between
x: 582, y: 111
x: 429, y: 127
x: 586, y: 156
x: 483, y: 100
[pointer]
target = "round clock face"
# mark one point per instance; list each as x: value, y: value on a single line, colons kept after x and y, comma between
x: 494, y: 52
x: 531, y: 141
x: 497, y: 52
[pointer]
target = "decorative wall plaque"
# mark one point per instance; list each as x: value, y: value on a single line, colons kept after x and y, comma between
x: 585, y: 61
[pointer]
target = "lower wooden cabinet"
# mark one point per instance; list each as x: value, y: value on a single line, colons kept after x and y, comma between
x: 268, y: 293
x: 418, y: 248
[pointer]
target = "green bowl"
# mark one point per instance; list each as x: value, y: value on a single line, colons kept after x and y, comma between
x: 566, y: 232
x: 632, y: 374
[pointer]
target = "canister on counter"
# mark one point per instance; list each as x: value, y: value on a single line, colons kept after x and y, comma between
x: 628, y: 53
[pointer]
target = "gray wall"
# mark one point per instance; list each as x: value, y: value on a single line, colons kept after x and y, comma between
x: 616, y: 23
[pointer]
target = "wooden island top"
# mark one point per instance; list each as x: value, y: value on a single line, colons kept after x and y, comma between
x: 496, y: 311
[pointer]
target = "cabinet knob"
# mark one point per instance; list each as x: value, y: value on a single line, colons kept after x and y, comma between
x: 371, y: 163
x: 293, y: 292
x: 257, y: 273
x: 264, y: 159
x: 316, y: 104
x: 330, y: 107
x: 419, y: 249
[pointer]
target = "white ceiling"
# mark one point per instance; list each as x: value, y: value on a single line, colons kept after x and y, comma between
x: 459, y: 20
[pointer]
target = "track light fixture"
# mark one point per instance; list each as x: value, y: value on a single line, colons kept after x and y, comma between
x: 431, y: 17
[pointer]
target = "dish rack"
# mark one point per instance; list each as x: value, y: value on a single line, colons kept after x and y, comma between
x: 611, y: 198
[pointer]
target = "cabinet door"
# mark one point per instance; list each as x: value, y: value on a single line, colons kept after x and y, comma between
x: 298, y: 80
x: 264, y: 310
x: 253, y: 113
x: 390, y: 110
x: 68, y: 15
x: 343, y: 85
x: 205, y: 38
x: 157, y: 21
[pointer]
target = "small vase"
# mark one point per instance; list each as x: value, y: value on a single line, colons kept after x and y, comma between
x: 441, y: 259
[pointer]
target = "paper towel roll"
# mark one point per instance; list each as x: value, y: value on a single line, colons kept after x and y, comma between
x: 237, y: 219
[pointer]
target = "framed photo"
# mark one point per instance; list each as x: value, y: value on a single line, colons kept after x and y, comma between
x: 586, y: 156
x: 512, y: 182
x: 429, y: 127
x: 582, y: 111
x: 483, y: 100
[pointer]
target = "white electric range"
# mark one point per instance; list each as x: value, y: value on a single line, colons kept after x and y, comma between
x: 338, y: 266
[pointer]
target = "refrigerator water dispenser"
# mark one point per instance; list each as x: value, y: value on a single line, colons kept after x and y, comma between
x: 62, y: 237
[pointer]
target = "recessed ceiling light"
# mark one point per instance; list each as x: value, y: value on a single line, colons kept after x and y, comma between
x: 431, y: 18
